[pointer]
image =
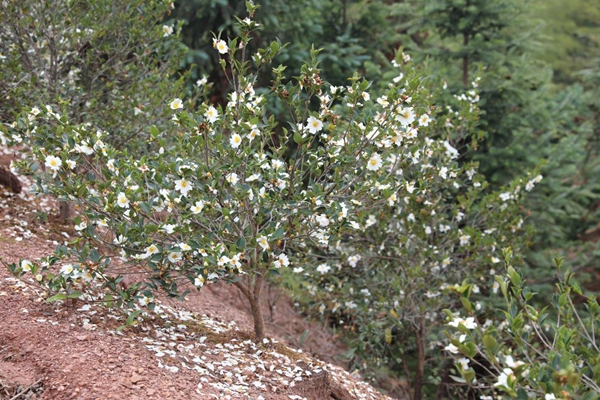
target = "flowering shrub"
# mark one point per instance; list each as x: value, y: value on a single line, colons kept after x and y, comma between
x: 388, y: 278
x: 229, y: 194
x: 528, y: 352
x: 102, y: 62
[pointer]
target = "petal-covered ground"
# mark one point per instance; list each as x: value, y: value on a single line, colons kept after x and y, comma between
x: 198, y: 349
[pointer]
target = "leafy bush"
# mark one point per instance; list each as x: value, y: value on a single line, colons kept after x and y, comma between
x: 226, y: 194
x: 101, y: 62
x: 527, y: 352
x: 387, y: 281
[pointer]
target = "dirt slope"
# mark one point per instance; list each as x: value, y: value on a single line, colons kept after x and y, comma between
x: 198, y: 349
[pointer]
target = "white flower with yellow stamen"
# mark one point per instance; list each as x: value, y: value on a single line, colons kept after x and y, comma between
x: 176, y: 104
x: 53, y: 162
x: 122, y: 200
x: 374, y: 162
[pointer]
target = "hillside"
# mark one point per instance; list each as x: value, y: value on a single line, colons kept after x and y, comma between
x: 198, y: 349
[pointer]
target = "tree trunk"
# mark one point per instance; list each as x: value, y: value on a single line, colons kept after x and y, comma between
x: 253, y: 297
x: 10, y: 180
x: 257, y: 316
x: 420, y: 336
x: 64, y: 210
x: 465, y: 68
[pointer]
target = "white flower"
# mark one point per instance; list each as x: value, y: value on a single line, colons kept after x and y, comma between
x: 495, y: 287
x: 503, y: 377
x: 253, y: 178
x: 322, y: 220
x: 374, y: 162
x: 211, y: 114
x: 506, y: 196
x: 410, y: 187
x: 314, y: 125
x: 144, y: 301
x: 197, y: 208
x: 464, y: 240
x: 424, y: 120
x: 277, y: 164
x: 35, y: 111
x: 406, y: 116
x: 549, y: 396
x: 167, y: 30
x: 201, y: 82
x: 199, y: 281
x: 184, y: 247
x: 353, y: 260
x: 54, y: 163
x: 370, y: 221
x: 223, y: 261
x: 232, y: 178
x: 464, y: 363
x: 71, y: 164
x: 81, y: 226
x: 468, y: 323
x: 152, y: 249
x: 235, y: 140
x: 183, y: 186
x: 398, y: 78
x: 168, y: 228
x: 511, y: 363
x: 26, y: 265
x: 281, y: 261
x: 176, y: 104
x: 451, y: 151
x: 122, y: 200
x: 221, y: 46
x: 365, y: 96
x: 443, y: 173
x: 451, y: 348
x: 66, y: 269
x: 263, y: 242
x: 323, y: 268
x: 254, y: 132
x: 281, y: 184
x: 174, y: 256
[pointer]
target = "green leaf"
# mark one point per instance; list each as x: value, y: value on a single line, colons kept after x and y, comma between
x: 132, y: 316
x: 562, y: 300
x: 109, y: 300
x: 489, y: 342
x: 466, y: 304
x: 278, y: 234
x: 515, y: 278
x: 56, y: 297
x: 241, y: 243
x: 297, y: 137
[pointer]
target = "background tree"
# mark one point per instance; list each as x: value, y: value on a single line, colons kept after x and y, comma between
x: 525, y: 119
x: 96, y: 61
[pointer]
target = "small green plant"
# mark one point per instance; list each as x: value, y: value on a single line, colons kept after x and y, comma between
x: 527, y: 352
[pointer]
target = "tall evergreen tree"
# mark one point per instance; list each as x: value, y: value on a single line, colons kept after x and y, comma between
x: 525, y: 119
